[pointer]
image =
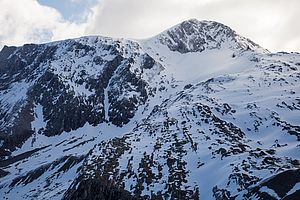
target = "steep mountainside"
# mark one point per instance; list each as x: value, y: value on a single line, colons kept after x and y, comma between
x: 196, y: 112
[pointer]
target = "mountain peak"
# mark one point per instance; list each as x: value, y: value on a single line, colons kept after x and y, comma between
x: 195, y: 23
x: 196, y: 36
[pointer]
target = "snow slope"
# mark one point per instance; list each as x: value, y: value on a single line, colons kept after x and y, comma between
x: 196, y: 112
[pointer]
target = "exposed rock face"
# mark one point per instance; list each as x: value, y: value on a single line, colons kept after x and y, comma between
x: 281, y: 184
x: 68, y: 80
x: 103, y: 118
x: 97, y: 189
x: 195, y: 36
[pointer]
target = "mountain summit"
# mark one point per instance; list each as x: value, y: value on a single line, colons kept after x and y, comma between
x: 196, y: 36
x: 196, y: 112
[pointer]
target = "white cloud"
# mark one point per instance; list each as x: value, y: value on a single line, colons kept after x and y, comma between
x: 270, y: 23
x: 76, y: 1
x: 31, y: 22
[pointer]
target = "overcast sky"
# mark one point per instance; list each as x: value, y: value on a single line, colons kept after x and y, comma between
x: 271, y: 23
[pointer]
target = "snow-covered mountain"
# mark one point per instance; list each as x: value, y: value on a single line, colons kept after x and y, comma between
x: 196, y: 112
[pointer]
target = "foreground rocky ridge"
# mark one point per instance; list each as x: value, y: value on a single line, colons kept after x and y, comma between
x: 102, y: 118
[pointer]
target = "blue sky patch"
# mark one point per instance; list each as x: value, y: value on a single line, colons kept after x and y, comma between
x: 71, y: 10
